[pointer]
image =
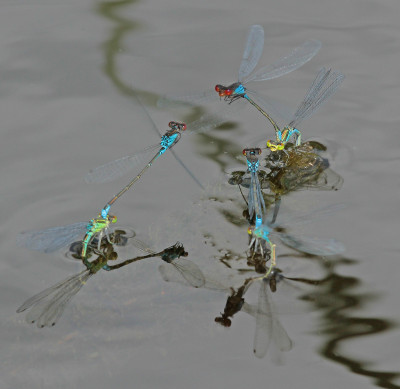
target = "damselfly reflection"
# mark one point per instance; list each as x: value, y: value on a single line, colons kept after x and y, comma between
x: 186, y: 270
x: 268, y: 327
x: 46, y: 307
x: 266, y: 312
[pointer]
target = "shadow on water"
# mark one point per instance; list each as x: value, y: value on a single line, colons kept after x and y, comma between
x: 334, y: 297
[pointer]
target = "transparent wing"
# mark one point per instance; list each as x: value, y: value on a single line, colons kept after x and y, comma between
x: 48, y: 305
x: 170, y: 274
x: 297, y: 58
x: 252, y: 51
x: 251, y: 200
x: 313, y: 246
x: 281, y: 337
x: 115, y: 169
x: 52, y: 239
x: 315, y: 214
x: 171, y: 100
x: 255, y: 199
x: 268, y: 327
x: 324, y: 85
x: 183, y: 271
x: 142, y: 246
x: 325, y: 180
x: 263, y: 334
x: 271, y: 106
x: 209, y: 122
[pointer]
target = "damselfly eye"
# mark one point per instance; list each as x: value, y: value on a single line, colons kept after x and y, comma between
x: 228, y: 92
x: 217, y: 88
x: 250, y: 231
x: 244, y: 152
x: 183, y: 126
x: 171, y: 124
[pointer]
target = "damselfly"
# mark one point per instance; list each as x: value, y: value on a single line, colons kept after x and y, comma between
x: 118, y: 167
x: 55, y: 238
x: 255, y: 199
x: 252, y: 53
x: 300, y: 242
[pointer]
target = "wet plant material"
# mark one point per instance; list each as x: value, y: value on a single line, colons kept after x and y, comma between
x: 302, y: 167
x: 117, y: 238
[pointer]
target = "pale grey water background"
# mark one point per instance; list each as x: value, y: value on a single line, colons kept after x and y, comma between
x: 66, y: 68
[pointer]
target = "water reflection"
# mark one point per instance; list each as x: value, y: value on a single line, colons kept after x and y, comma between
x: 337, y: 299
x: 46, y: 307
x: 269, y: 330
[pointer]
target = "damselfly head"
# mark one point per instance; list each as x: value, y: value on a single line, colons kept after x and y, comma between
x: 250, y: 230
x: 112, y: 218
x: 224, y: 321
x: 223, y: 91
x: 178, y: 126
x: 255, y: 151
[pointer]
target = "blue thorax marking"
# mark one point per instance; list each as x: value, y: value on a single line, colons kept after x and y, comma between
x: 253, y: 166
x: 295, y: 131
x: 240, y: 90
x: 104, y: 211
x: 258, y: 221
x: 292, y: 131
x: 167, y: 141
x: 89, y: 226
x: 279, y: 135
